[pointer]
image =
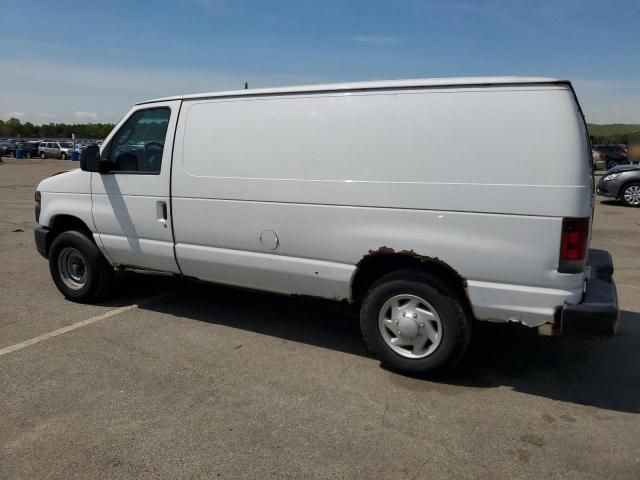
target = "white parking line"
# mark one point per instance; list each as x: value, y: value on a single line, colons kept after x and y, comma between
x: 83, y: 323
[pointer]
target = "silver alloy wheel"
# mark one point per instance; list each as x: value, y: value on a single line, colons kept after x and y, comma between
x: 72, y: 268
x: 632, y: 195
x: 410, y: 326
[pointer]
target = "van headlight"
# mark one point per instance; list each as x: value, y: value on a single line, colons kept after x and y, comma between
x: 613, y: 176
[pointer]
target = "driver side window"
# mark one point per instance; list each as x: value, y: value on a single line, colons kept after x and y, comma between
x: 137, y: 147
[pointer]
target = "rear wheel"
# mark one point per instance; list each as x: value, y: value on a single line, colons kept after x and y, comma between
x: 631, y: 195
x: 415, y: 324
x: 12, y: 154
x: 78, y: 268
x: 612, y: 163
x: 28, y: 154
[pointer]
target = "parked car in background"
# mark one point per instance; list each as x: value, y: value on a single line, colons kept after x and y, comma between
x: 65, y: 149
x: 599, y: 160
x: 614, y: 154
x: 42, y: 149
x: 30, y: 148
x: 45, y: 148
x: 622, y: 183
x: 55, y: 150
x: 7, y: 149
x: 633, y: 152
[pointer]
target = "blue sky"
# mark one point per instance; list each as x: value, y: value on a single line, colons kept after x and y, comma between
x: 89, y: 61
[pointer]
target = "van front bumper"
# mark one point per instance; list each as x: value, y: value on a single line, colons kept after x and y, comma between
x: 597, y: 315
x: 40, y: 234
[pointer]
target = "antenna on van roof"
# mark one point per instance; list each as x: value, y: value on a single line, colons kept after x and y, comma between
x: 246, y: 85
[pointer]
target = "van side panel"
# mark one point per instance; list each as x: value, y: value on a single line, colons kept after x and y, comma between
x: 428, y: 149
x: 324, y: 243
x: 453, y: 173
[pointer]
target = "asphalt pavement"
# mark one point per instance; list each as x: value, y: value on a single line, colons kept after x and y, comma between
x: 180, y: 379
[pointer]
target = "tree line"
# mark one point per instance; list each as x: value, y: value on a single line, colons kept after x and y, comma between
x: 14, y: 128
x: 614, y: 133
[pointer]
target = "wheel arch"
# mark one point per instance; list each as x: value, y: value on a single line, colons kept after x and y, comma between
x: 385, y: 260
x: 63, y: 223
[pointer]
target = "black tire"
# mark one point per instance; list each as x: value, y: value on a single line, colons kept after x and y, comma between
x: 12, y: 154
x: 63, y: 156
x: 612, y: 163
x: 43, y: 155
x: 627, y: 189
x: 99, y: 274
x: 456, y: 322
x: 28, y: 155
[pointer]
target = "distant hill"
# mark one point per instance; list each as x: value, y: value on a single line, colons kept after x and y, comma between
x: 614, y: 132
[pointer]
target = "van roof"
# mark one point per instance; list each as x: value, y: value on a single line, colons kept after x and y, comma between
x: 459, y: 82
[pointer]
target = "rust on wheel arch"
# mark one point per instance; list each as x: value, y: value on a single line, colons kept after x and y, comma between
x: 386, y: 250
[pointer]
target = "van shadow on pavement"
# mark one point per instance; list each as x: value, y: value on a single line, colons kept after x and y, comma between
x: 614, y: 203
x: 601, y: 374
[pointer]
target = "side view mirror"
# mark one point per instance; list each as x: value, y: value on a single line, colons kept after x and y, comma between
x: 90, y: 159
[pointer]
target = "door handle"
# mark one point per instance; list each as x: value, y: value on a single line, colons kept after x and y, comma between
x: 161, y: 211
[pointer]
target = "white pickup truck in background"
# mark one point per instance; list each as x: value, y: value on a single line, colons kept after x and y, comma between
x: 389, y: 195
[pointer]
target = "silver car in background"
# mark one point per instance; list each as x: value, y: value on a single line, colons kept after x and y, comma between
x: 622, y: 183
x: 60, y: 150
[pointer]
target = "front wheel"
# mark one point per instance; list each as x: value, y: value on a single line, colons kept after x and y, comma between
x: 78, y: 268
x: 63, y: 156
x: 43, y: 155
x: 631, y: 195
x: 415, y: 324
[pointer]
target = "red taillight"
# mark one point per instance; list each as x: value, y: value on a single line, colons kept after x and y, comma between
x: 602, y: 156
x: 573, y: 245
x: 38, y: 197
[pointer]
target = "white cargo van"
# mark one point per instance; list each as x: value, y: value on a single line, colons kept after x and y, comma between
x: 423, y: 202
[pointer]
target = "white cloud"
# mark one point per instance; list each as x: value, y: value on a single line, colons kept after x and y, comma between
x: 14, y: 114
x: 609, y: 101
x: 376, y: 39
x: 86, y: 116
x: 105, y: 94
x: 109, y: 92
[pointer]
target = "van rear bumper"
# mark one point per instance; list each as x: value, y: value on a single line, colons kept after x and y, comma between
x: 597, y: 315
